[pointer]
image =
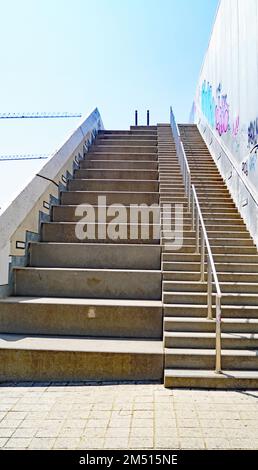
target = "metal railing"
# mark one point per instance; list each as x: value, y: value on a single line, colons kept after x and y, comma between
x: 202, y: 241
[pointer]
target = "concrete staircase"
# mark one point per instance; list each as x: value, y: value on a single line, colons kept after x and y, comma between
x: 189, y: 338
x: 91, y: 309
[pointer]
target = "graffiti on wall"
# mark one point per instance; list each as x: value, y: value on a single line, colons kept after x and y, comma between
x: 235, y: 127
x: 253, y: 133
x: 216, y: 110
x: 208, y: 103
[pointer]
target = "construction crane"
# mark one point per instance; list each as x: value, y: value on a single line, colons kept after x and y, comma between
x: 38, y: 115
x: 7, y: 158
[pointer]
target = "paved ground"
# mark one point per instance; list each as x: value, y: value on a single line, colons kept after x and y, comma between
x: 78, y: 416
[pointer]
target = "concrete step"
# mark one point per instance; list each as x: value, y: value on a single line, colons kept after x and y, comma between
x: 126, y: 137
x: 117, y: 148
x: 185, y: 378
x: 123, y: 155
x: 91, y: 283
x: 221, y: 239
x: 224, y: 277
x: 232, y: 359
x: 190, y: 266
x: 91, y: 255
x: 198, y: 324
x: 113, y: 185
x: 115, y: 174
x: 119, y: 164
x: 227, y: 259
x: 200, y: 298
x: 189, y: 282
x: 231, y: 311
x: 136, y: 131
x: 84, y: 232
x: 206, y: 340
x: 189, y: 247
x: 132, y: 141
x: 112, y: 197
x: 46, y: 358
x: 81, y: 317
x: 68, y: 213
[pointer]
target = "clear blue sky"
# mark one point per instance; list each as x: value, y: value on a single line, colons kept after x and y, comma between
x: 74, y: 55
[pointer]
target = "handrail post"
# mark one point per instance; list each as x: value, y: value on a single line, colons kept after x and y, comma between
x: 193, y: 211
x: 202, y: 256
x: 148, y: 118
x: 189, y: 194
x: 197, y: 232
x: 209, y: 289
x: 218, y: 335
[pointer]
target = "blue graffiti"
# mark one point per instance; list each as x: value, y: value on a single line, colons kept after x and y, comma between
x: 208, y: 103
x: 252, y: 162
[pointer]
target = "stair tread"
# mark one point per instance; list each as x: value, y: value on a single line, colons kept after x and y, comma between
x: 82, y: 301
x: 80, y: 344
x: 245, y: 321
x: 226, y: 374
x: 194, y: 334
x: 210, y: 352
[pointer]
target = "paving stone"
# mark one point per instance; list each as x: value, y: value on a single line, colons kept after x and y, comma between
x: 166, y: 443
x: 91, y: 443
x: 42, y: 443
x: 141, y: 443
x: 217, y: 443
x: 3, y: 441
x: 18, y: 443
x: 6, y: 432
x: 66, y: 443
x: 116, y: 443
x: 192, y: 443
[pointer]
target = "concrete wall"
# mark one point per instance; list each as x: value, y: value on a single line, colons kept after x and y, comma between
x: 20, y: 223
x: 226, y: 102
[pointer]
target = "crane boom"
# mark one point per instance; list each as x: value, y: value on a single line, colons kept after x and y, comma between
x: 38, y: 115
x: 7, y: 158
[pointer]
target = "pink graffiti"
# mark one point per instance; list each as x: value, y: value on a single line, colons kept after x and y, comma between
x: 236, y: 127
x: 222, y: 115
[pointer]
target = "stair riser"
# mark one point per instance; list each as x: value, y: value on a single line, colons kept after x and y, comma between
x: 36, y: 365
x: 142, y: 285
x: 118, y: 165
x: 196, y: 298
x: 67, y: 214
x: 124, y: 156
x: 78, y: 320
x: 239, y: 278
x: 230, y: 383
x: 201, y: 311
x: 125, y: 198
x: 126, y: 138
x: 105, y: 185
x: 99, y: 233
x: 116, y: 174
x: 125, y: 142
x: 194, y: 267
x: 200, y: 343
x: 209, y: 327
x: 133, y: 149
x: 94, y: 256
x: 207, y: 362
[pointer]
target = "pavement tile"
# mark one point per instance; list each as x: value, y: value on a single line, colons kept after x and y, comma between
x: 116, y: 443
x: 18, y: 443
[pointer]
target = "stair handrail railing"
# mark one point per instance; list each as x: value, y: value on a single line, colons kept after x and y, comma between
x: 201, y: 236
x: 203, y: 245
x: 185, y: 169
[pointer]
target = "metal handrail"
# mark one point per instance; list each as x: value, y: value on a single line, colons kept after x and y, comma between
x: 202, y: 240
x: 198, y: 224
